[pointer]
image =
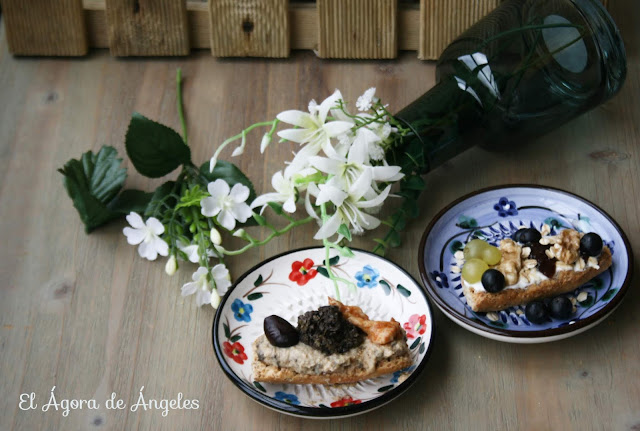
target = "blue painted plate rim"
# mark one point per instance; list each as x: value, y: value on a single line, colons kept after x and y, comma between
x: 551, y: 332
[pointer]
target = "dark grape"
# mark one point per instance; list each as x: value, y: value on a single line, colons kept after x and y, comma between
x: 493, y: 280
x: 591, y: 244
x: 536, y: 312
x: 561, y: 307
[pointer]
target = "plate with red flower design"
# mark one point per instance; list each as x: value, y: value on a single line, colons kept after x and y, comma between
x: 295, y: 282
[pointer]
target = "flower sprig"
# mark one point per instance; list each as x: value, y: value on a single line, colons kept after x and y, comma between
x: 339, y: 175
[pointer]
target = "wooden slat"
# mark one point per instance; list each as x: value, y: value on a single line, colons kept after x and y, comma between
x: 147, y: 27
x: 358, y: 28
x: 249, y: 28
x: 441, y: 22
x: 44, y: 27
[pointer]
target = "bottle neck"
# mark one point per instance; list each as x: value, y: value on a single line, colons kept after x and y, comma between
x: 440, y: 121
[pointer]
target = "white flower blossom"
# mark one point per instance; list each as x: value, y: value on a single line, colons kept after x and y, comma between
x: 147, y: 235
x: 202, y: 288
x: 285, y: 192
x: 199, y: 286
x: 228, y: 204
x: 365, y: 102
x: 313, y: 131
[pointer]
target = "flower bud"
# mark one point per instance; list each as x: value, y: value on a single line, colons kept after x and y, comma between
x: 215, y: 298
x: 266, y: 140
x: 171, y: 266
x: 240, y: 233
x: 216, y: 239
x: 212, y: 163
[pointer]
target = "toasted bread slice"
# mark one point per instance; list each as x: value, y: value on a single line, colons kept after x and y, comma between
x: 263, y: 372
x: 562, y: 282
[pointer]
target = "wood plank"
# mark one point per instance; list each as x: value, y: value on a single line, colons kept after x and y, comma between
x: 147, y: 27
x: 357, y: 28
x: 43, y: 27
x: 458, y: 16
x: 249, y: 28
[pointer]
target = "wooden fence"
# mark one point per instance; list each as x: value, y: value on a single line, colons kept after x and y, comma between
x: 238, y: 28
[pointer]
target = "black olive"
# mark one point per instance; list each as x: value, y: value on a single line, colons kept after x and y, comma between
x: 591, y: 244
x: 279, y: 332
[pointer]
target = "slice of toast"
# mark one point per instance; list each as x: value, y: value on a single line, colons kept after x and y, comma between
x: 263, y: 372
x: 383, y: 351
x: 562, y: 282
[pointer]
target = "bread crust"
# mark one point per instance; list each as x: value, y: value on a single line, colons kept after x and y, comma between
x: 562, y: 282
x: 271, y: 374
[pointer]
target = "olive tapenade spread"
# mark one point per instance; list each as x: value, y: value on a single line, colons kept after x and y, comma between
x: 328, y: 331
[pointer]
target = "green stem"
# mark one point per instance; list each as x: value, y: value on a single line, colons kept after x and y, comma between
x: 202, y: 246
x: 180, y: 107
x: 327, y: 248
x: 274, y: 234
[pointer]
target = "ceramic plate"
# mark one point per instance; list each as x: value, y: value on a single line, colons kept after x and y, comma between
x: 496, y: 213
x: 295, y: 282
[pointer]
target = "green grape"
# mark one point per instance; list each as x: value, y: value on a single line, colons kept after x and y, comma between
x: 491, y: 255
x: 473, y: 269
x: 473, y: 249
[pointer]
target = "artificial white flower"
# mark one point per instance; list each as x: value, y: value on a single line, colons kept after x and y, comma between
x: 172, y: 265
x: 365, y: 102
x: 266, y: 140
x: 285, y: 192
x: 221, y: 278
x: 147, y: 235
x: 349, y: 208
x: 228, y: 204
x: 190, y: 250
x: 199, y: 286
x: 216, y: 239
x: 313, y: 130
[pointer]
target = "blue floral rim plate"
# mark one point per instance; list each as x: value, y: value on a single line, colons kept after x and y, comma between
x: 495, y: 213
x: 295, y: 282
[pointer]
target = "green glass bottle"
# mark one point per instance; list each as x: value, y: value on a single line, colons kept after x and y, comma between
x: 523, y: 70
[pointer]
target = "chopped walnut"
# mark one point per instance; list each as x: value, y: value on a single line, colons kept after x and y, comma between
x: 530, y: 263
x: 570, y: 246
x: 510, y: 263
x: 579, y: 265
x: 526, y: 251
x: 561, y: 266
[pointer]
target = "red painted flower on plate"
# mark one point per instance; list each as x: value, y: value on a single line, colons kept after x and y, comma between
x: 302, y: 272
x: 416, y: 325
x: 235, y: 351
x: 346, y: 401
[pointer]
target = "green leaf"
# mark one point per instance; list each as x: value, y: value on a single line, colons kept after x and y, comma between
x: 92, y: 183
x: 385, y: 388
x: 259, y: 386
x: 277, y: 208
x: 130, y: 200
x: 344, y: 231
x: 346, y: 252
x: 258, y: 281
x: 455, y: 246
x: 259, y: 219
x: 160, y: 199
x: 230, y: 173
x: 323, y: 271
x: 608, y: 295
x: 332, y: 261
x: 227, y: 332
x: 254, y: 296
x: 394, y: 239
x: 154, y: 149
x: 403, y: 291
x: 413, y: 182
x: 415, y: 343
x: 235, y: 338
x: 385, y: 287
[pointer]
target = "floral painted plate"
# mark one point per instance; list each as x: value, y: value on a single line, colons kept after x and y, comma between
x: 295, y: 282
x: 496, y: 213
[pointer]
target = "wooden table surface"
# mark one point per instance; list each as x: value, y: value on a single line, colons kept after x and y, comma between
x: 85, y: 314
